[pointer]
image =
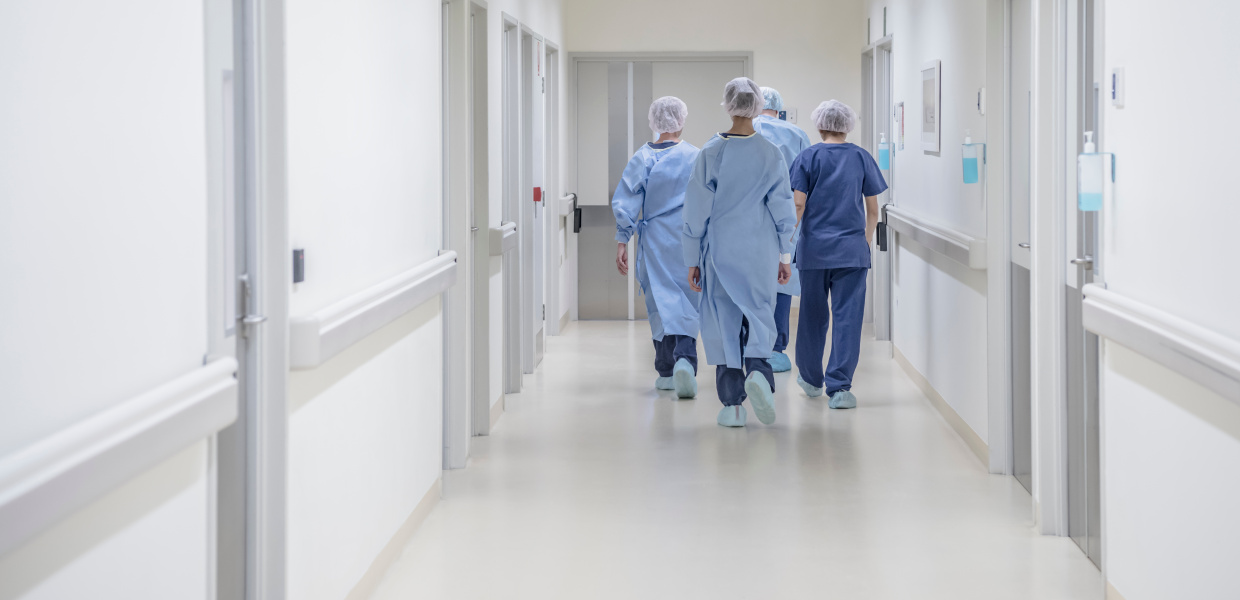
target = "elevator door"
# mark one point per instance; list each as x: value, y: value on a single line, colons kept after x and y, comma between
x: 1018, y: 194
x: 613, y: 101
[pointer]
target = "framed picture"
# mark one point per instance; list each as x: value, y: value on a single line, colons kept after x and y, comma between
x: 930, y: 115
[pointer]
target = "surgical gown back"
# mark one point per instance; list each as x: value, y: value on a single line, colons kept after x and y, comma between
x: 791, y: 141
x: 648, y: 202
x: 739, y: 217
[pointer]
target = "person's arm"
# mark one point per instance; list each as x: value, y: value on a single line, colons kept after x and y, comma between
x: 626, y: 203
x: 699, y: 199
x: 799, y: 197
x: 871, y: 218
x: 779, y: 204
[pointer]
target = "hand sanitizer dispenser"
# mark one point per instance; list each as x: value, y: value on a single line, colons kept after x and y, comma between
x: 1093, y: 170
x: 971, y: 154
x: 884, y: 153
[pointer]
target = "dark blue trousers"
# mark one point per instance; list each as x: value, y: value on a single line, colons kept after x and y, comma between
x: 730, y: 383
x: 823, y: 292
x: 671, y: 349
x: 783, y: 306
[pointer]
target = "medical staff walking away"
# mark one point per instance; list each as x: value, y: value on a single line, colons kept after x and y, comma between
x: 830, y: 180
x: 791, y: 141
x: 648, y: 200
x: 739, y: 219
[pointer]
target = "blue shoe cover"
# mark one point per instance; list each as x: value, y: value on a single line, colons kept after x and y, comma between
x: 780, y: 363
x: 843, y: 399
x: 684, y: 379
x: 664, y: 383
x: 732, y: 416
x: 811, y: 391
x: 761, y: 398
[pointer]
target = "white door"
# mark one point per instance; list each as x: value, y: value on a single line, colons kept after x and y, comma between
x: 1020, y: 94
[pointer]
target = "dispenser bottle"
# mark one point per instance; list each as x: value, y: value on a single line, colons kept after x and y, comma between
x: 969, y: 152
x: 1090, y: 176
x: 884, y: 152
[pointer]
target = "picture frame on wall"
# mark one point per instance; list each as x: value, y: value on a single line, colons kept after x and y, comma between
x: 931, y: 115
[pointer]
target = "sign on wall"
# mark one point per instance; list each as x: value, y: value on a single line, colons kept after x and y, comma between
x: 930, y: 113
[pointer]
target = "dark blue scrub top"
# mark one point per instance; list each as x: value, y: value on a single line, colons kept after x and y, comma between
x: 836, y: 178
x: 661, y: 145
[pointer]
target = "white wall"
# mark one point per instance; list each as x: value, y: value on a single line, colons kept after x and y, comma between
x: 364, y: 177
x: 104, y: 268
x: 939, y: 319
x: 1171, y: 447
x: 809, y: 51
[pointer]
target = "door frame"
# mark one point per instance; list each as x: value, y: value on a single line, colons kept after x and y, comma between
x: 998, y: 235
x: 479, y: 191
x: 457, y: 235
x: 880, y: 279
x: 510, y: 102
x: 552, y: 187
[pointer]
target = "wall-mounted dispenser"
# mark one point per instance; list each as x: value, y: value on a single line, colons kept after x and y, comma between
x: 973, y: 157
x: 884, y: 152
x: 1094, y: 171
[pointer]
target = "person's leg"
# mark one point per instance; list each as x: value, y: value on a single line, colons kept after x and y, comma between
x: 783, y: 306
x: 759, y: 382
x: 664, y: 355
x: 815, y: 318
x: 685, y: 347
x: 730, y: 383
x: 848, y: 304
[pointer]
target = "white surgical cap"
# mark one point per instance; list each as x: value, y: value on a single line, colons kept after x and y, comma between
x: 834, y: 116
x: 774, y: 101
x: 667, y: 115
x: 743, y: 98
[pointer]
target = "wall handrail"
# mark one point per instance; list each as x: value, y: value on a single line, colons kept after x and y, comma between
x: 567, y: 204
x: 45, y: 482
x: 503, y: 238
x: 956, y: 245
x: 315, y: 338
x: 1200, y: 354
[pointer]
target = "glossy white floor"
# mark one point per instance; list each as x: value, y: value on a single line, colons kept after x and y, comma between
x: 595, y: 485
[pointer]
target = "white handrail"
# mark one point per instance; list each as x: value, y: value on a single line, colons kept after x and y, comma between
x: 1198, y: 353
x: 503, y: 238
x: 960, y: 247
x: 328, y: 331
x: 47, y: 481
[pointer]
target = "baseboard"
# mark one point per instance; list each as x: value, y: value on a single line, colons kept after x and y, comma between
x: 497, y: 410
x: 1112, y: 593
x: 966, y: 433
x: 387, y: 557
x: 564, y: 321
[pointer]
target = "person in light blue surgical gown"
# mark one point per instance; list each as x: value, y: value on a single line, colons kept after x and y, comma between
x: 790, y: 140
x: 648, y: 202
x: 739, y: 217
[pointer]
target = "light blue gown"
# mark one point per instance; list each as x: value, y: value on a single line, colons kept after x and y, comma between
x: 739, y: 217
x: 790, y: 140
x: 648, y: 202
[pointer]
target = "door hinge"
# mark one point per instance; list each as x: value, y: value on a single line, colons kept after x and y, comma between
x: 544, y: 84
x: 544, y: 317
x: 246, y: 318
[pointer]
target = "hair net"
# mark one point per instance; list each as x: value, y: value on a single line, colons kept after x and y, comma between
x: 834, y: 116
x: 743, y: 98
x: 774, y: 101
x: 667, y: 115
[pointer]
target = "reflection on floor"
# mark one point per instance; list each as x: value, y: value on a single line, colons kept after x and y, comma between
x: 595, y: 485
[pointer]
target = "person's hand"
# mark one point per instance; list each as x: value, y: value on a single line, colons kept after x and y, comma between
x: 695, y: 279
x: 785, y: 273
x: 622, y: 258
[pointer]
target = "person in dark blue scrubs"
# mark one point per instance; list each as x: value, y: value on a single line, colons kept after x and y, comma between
x: 829, y: 182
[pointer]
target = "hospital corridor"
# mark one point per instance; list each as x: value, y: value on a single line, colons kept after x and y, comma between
x: 599, y: 299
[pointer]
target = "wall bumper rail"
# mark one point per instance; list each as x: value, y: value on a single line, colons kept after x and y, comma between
x: 1202, y: 355
x: 960, y: 247
x: 503, y: 238
x: 315, y: 338
x: 45, y: 482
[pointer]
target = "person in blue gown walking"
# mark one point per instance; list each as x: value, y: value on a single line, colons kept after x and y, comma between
x: 648, y: 202
x: 738, y: 223
x: 830, y: 180
x: 790, y: 140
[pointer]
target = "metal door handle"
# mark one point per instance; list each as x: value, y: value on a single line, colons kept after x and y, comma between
x: 1084, y: 261
x: 473, y: 229
x: 1026, y: 246
x: 253, y: 319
